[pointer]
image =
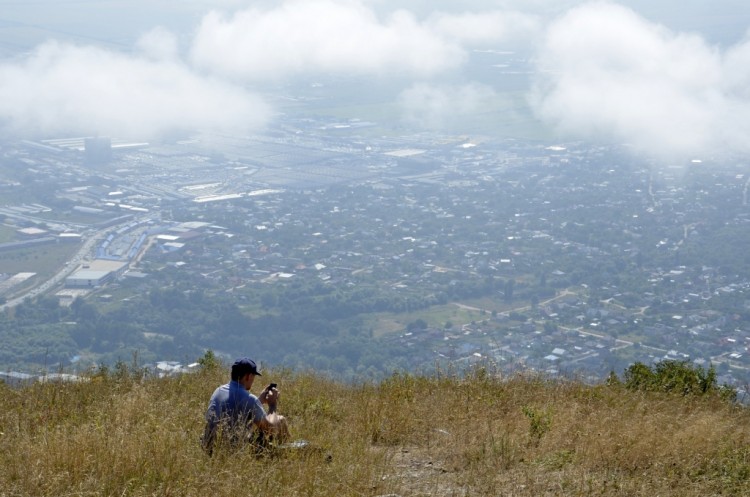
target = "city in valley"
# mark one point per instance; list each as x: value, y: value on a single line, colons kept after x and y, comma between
x: 325, y: 244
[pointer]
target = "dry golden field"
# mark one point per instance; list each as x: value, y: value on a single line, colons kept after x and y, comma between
x: 120, y: 434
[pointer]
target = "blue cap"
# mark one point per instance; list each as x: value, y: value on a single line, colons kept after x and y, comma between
x: 243, y: 366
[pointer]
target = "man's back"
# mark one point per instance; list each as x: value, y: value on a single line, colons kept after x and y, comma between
x: 230, y: 414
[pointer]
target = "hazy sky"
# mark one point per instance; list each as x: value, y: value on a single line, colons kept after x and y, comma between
x: 670, y: 77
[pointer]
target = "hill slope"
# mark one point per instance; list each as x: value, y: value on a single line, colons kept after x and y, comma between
x: 121, y: 434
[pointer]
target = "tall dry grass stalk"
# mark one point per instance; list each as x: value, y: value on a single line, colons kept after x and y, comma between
x: 445, y: 434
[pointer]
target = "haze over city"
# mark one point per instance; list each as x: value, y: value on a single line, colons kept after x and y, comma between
x: 365, y: 186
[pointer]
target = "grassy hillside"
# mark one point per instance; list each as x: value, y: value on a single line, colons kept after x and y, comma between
x: 445, y: 435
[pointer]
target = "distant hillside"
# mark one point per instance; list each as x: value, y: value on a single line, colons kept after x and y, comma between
x: 447, y: 435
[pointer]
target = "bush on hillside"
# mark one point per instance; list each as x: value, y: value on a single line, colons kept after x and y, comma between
x: 676, y: 377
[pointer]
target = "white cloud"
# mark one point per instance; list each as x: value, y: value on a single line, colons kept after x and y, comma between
x: 437, y: 106
x: 159, y: 44
x: 66, y: 89
x: 605, y: 72
x: 487, y: 27
x: 321, y: 35
x: 427, y: 7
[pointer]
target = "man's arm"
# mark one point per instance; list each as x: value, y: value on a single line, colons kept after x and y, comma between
x: 272, y: 423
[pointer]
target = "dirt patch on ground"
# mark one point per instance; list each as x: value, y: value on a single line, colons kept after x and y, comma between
x: 414, y: 471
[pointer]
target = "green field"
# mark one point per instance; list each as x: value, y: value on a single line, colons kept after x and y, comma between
x: 435, y: 317
x: 457, y: 313
x: 44, y: 260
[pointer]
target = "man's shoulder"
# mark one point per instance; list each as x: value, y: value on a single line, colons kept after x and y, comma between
x: 221, y: 390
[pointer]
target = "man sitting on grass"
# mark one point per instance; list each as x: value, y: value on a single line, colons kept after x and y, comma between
x: 236, y: 417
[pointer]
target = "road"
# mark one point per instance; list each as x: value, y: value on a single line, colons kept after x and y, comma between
x: 84, y: 252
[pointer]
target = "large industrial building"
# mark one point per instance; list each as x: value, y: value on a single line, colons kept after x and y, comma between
x: 95, y: 274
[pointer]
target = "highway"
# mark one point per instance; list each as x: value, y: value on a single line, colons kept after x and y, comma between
x: 84, y: 253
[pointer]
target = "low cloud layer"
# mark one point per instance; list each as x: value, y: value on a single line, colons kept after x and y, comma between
x: 604, y: 72
x: 62, y: 87
x: 300, y: 37
x: 313, y: 36
x: 67, y: 89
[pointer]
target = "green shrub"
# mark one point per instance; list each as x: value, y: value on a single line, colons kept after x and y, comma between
x: 675, y: 377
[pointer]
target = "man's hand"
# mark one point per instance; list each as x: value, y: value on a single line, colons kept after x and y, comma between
x: 270, y: 396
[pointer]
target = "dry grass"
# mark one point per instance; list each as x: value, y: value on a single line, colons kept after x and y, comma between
x: 408, y: 435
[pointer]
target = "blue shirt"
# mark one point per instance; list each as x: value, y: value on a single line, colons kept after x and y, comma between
x: 235, y: 406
